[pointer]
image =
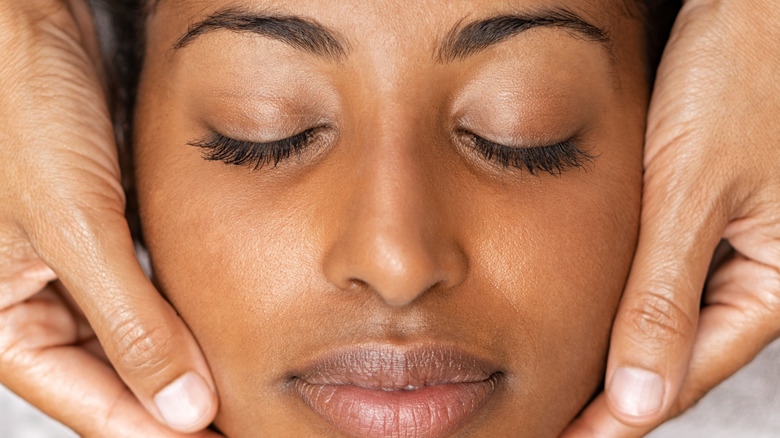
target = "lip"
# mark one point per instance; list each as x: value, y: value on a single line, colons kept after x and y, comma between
x: 388, y: 391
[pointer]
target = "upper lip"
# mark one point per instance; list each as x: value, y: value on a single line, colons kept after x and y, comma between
x: 390, y: 367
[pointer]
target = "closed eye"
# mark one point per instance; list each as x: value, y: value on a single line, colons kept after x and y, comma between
x: 553, y: 159
x: 255, y: 155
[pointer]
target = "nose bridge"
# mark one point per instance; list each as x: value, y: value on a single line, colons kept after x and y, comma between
x: 392, y: 241
x: 394, y: 191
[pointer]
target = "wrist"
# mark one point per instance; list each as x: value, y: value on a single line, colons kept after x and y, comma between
x: 766, y: 11
x: 83, y: 16
x: 732, y: 29
x: 26, y: 27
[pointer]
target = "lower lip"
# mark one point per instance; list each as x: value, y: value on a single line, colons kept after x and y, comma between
x: 427, y: 412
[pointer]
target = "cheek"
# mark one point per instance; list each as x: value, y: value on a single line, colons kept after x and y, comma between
x: 234, y: 281
x: 561, y: 255
x: 231, y: 260
x: 228, y: 254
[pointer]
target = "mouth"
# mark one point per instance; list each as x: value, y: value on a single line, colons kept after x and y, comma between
x: 387, y: 391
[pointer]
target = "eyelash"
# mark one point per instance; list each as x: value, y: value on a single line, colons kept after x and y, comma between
x: 553, y: 159
x: 217, y: 147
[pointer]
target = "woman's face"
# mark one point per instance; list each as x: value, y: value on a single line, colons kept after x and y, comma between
x: 439, y: 245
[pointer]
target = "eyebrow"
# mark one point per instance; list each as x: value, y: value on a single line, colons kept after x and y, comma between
x: 469, y: 39
x: 295, y: 31
x: 461, y: 42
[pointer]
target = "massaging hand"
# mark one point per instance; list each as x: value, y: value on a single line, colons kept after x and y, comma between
x: 61, y: 216
x: 712, y: 166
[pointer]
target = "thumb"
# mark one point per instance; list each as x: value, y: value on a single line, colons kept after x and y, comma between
x: 146, y: 341
x: 656, y: 323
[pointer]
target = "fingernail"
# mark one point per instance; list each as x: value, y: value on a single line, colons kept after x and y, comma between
x: 636, y: 392
x: 185, y: 402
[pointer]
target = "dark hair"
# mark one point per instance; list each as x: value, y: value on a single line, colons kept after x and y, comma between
x: 120, y: 26
x: 658, y: 17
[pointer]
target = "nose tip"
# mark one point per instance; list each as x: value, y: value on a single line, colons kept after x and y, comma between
x: 398, y: 272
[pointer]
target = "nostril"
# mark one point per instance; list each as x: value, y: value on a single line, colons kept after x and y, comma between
x: 356, y: 283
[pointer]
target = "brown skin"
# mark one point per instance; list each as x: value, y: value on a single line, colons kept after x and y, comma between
x: 390, y: 229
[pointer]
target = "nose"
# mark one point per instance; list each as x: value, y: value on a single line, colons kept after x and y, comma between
x: 395, y: 238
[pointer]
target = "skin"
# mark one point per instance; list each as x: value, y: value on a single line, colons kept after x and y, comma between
x: 47, y: 344
x: 712, y: 173
x: 389, y: 229
x: 69, y: 225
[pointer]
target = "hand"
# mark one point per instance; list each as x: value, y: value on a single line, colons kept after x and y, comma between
x: 62, y: 211
x: 48, y: 354
x: 712, y: 172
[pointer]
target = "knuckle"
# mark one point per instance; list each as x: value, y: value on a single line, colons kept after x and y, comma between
x: 657, y: 321
x: 139, y: 349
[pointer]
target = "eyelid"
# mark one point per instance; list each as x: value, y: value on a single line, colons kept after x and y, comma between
x: 553, y: 158
x: 256, y: 155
